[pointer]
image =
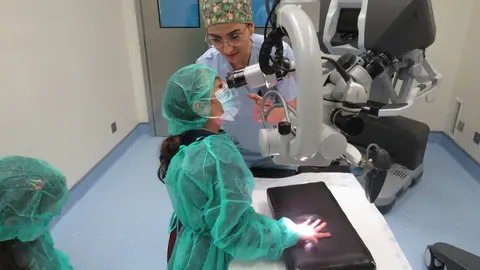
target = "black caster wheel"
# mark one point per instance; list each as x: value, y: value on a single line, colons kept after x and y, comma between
x: 384, y: 209
x: 431, y: 262
x: 416, y: 180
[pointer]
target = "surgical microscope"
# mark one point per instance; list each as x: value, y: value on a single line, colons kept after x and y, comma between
x: 359, y: 66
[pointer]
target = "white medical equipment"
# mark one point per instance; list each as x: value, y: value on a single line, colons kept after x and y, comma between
x: 377, y: 43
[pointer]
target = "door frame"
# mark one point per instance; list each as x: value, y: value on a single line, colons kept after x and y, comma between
x: 145, y: 68
x: 259, y: 29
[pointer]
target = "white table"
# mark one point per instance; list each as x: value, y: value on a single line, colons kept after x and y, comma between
x: 365, y: 218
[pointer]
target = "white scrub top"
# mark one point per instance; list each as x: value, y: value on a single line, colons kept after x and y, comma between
x: 244, y: 130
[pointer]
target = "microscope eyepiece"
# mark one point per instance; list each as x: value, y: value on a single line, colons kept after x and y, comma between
x: 236, y: 78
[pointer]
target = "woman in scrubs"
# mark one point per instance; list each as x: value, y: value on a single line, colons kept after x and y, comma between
x: 234, y: 45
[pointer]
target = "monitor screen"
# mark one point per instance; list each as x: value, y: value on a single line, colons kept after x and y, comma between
x: 348, y: 20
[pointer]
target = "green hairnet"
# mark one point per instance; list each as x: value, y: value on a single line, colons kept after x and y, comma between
x: 31, y: 194
x: 187, y: 85
x: 40, y: 254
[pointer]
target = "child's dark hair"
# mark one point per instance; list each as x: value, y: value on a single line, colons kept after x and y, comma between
x: 168, y: 150
x: 7, y: 257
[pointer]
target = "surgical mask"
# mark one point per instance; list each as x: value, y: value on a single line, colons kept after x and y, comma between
x: 230, y: 102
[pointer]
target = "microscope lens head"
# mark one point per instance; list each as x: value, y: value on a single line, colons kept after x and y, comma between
x: 236, y: 79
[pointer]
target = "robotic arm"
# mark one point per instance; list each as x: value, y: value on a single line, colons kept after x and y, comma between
x: 372, y: 57
x: 309, y: 141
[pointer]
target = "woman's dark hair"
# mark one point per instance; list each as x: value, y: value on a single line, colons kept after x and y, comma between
x: 7, y: 257
x: 168, y: 150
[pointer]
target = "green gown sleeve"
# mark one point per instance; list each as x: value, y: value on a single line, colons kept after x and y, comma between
x: 234, y: 225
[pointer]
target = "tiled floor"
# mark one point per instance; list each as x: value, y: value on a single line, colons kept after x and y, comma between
x: 121, y: 223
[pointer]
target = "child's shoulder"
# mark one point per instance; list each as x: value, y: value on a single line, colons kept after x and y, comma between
x: 213, y: 141
x: 222, y: 139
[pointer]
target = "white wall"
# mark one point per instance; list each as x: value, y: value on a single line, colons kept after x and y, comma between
x: 68, y: 68
x: 64, y: 78
x: 134, y: 53
x: 444, y: 54
x: 452, y: 21
x: 467, y: 87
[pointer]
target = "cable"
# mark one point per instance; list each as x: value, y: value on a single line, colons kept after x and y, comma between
x: 339, y: 68
x: 290, y: 109
x: 357, y: 105
x: 333, y: 118
x: 270, y: 19
x: 370, y: 146
x: 270, y: 13
x: 267, y: 7
x: 283, y: 102
x: 281, y: 67
x: 351, y: 110
x: 395, y: 80
x: 332, y: 100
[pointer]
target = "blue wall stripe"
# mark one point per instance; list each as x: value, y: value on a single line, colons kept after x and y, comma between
x: 87, y: 182
x: 436, y: 137
x: 468, y: 163
x: 90, y: 179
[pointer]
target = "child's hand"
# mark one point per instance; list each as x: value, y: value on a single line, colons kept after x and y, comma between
x: 311, y: 231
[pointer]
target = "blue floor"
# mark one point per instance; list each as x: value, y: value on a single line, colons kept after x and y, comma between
x: 121, y: 223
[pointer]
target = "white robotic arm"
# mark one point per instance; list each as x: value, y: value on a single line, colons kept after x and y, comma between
x: 381, y: 96
x: 363, y: 79
x: 313, y: 137
x: 310, y: 141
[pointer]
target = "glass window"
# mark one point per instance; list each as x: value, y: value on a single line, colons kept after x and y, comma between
x: 179, y: 13
x: 260, y: 15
